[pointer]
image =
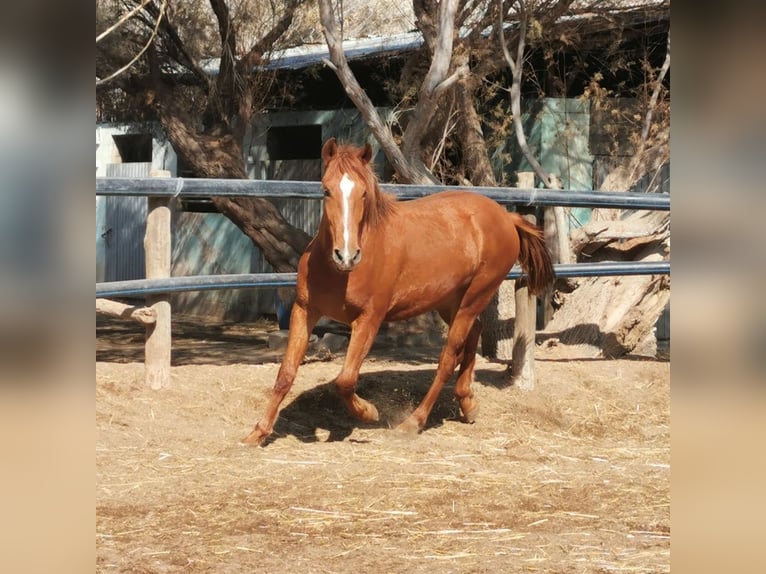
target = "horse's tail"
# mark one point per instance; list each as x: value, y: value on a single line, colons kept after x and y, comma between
x: 534, y: 257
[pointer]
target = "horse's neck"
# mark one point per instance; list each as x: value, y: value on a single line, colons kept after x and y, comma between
x: 323, y: 236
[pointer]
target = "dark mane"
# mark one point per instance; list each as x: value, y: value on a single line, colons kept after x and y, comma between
x: 380, y: 205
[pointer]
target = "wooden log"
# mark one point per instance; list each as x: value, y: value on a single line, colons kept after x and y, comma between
x: 143, y: 315
x: 157, y: 250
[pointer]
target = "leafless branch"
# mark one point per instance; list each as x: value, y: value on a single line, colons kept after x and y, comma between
x: 125, y: 17
x: 639, y: 159
x: 656, y: 94
x: 262, y: 46
x: 141, y: 52
x: 176, y: 47
x: 562, y: 249
x: 517, y: 70
x: 333, y: 36
x: 228, y: 45
x: 449, y: 126
x: 436, y: 75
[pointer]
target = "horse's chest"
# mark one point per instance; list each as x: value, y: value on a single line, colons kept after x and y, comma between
x: 339, y: 296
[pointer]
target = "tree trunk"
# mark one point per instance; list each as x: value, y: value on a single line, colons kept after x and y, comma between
x: 258, y: 218
x: 610, y: 316
x: 410, y: 169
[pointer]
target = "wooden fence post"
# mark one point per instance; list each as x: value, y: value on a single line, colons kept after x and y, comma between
x: 555, y: 229
x: 525, y: 325
x: 157, y: 251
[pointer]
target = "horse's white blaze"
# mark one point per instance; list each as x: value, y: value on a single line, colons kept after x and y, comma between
x: 346, y: 187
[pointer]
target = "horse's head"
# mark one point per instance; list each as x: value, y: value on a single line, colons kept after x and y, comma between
x: 345, y: 186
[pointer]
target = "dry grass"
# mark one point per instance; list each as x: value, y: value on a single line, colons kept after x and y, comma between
x: 572, y: 477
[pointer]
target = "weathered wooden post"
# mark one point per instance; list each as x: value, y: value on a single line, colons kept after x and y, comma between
x: 557, y: 239
x: 523, y: 357
x: 157, y: 251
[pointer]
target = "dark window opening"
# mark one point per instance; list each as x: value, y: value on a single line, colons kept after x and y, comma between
x: 134, y: 148
x: 193, y: 204
x: 294, y: 142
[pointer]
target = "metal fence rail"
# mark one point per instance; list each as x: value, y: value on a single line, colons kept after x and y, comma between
x: 199, y: 188
x: 141, y: 287
x: 158, y: 287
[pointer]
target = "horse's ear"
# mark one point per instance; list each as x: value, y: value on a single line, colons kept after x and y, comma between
x: 329, y: 149
x: 366, y: 154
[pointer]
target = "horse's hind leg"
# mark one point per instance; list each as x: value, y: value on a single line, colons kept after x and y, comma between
x: 460, y: 340
x: 463, y: 392
x: 467, y: 360
x: 453, y: 350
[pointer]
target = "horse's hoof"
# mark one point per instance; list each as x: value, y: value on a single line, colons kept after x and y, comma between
x: 371, y: 414
x: 469, y: 408
x: 255, y: 438
x: 366, y: 412
x: 409, y: 427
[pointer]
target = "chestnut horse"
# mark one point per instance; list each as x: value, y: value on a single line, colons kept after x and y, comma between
x: 376, y: 259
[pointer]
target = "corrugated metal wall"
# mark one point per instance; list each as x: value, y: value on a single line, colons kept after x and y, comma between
x: 125, y: 227
x: 301, y: 213
x: 210, y: 244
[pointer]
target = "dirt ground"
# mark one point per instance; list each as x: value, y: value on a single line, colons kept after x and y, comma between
x: 571, y: 477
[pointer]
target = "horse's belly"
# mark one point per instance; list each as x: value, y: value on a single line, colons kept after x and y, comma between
x: 424, y: 296
x: 402, y: 314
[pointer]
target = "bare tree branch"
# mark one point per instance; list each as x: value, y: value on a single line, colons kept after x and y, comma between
x: 141, y: 52
x: 655, y: 95
x: 517, y: 69
x: 639, y: 159
x: 435, y: 77
x: 125, y: 17
x: 562, y: 249
x: 257, y: 50
x: 379, y: 129
x: 176, y: 48
x: 227, y: 68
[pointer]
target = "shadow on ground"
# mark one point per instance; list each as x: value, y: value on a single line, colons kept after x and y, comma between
x: 319, y: 415
x: 199, y: 343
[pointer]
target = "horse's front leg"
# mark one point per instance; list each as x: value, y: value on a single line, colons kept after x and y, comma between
x: 363, y: 332
x: 302, y: 321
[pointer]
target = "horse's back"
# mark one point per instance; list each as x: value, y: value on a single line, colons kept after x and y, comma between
x: 442, y: 243
x: 460, y: 217
x: 463, y: 197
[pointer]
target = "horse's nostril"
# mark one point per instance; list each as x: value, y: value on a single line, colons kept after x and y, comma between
x: 357, y: 256
x: 338, y: 255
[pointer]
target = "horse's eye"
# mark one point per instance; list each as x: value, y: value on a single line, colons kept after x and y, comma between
x: 326, y: 192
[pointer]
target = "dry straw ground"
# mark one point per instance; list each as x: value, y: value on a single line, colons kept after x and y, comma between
x: 571, y: 477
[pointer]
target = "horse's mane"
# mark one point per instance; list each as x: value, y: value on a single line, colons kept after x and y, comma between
x: 380, y: 205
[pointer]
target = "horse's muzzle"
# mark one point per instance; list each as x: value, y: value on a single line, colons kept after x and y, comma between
x: 346, y: 263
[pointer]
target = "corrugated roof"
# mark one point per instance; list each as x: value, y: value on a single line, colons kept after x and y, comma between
x: 308, y: 55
